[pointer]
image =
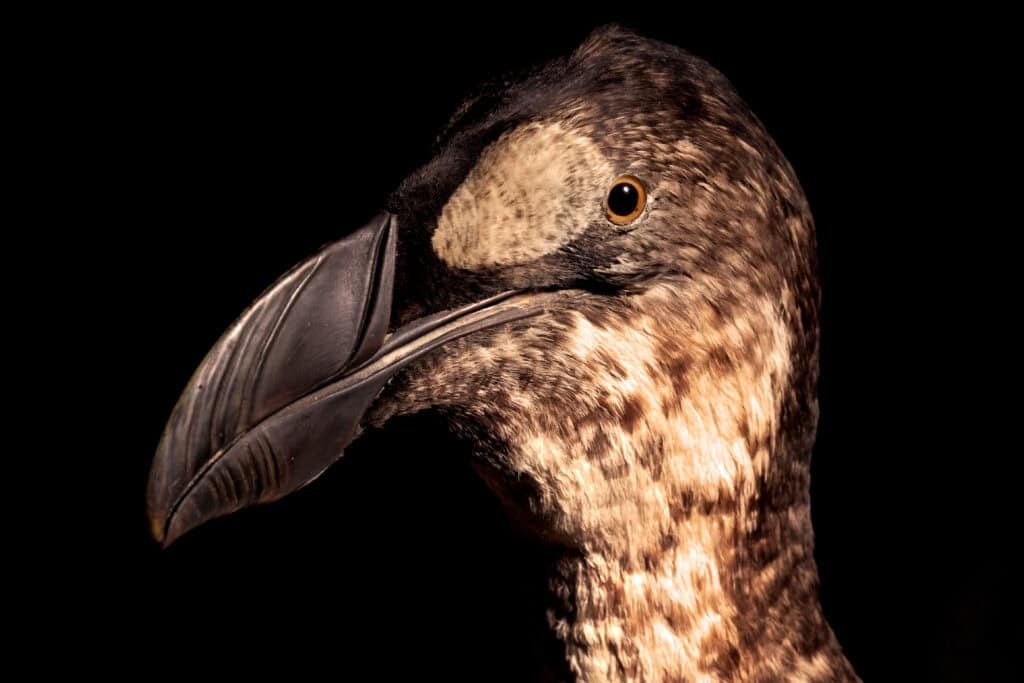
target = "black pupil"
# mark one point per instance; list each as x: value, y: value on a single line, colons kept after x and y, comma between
x: 622, y: 200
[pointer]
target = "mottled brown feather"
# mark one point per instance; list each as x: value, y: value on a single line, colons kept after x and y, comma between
x: 656, y: 423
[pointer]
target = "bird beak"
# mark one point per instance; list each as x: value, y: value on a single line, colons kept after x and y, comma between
x: 282, y: 393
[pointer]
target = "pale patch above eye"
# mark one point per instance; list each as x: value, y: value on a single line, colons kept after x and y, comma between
x: 533, y: 190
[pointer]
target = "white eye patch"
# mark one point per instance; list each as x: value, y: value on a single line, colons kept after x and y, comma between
x: 533, y: 190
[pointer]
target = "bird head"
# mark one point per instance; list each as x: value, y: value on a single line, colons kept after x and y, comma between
x: 605, y: 277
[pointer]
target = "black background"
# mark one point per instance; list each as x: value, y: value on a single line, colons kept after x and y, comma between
x: 210, y: 153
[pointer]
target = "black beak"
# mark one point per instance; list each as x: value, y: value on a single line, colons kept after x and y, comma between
x: 282, y: 393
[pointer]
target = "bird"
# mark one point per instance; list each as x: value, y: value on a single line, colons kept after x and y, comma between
x: 605, y: 279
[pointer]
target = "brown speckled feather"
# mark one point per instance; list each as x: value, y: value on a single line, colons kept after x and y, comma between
x: 656, y: 423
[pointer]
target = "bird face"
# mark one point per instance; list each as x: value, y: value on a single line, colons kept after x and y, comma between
x: 605, y: 277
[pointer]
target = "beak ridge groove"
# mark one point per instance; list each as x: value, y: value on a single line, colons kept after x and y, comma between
x: 221, y: 450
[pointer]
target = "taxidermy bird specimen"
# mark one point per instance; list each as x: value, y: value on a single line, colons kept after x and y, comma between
x: 605, y: 279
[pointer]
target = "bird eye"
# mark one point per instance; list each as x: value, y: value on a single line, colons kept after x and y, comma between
x: 626, y: 200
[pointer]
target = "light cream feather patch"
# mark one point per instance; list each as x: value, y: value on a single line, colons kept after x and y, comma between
x: 532, y: 191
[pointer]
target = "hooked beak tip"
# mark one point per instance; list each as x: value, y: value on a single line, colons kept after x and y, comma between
x: 158, y: 530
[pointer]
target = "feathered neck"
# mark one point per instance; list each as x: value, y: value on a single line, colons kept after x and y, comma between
x: 729, y: 593
x: 679, y: 478
x: 663, y: 443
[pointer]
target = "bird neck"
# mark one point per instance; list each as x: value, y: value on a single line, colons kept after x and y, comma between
x: 726, y: 595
